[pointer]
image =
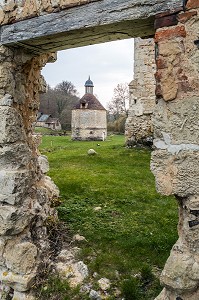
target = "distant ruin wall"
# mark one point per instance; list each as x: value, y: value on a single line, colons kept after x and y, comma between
x: 138, y: 128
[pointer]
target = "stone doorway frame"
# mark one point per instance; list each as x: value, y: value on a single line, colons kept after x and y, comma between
x: 25, y: 190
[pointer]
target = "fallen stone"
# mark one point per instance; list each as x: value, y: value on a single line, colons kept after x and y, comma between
x: 68, y: 255
x: 78, y: 238
x: 94, y: 295
x: 97, y: 208
x: 91, y: 152
x: 104, y: 284
x: 75, y: 272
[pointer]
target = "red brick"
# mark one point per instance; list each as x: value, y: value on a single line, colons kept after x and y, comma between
x: 192, y: 4
x: 170, y: 33
x: 166, y: 21
x: 184, y: 17
x: 169, y: 12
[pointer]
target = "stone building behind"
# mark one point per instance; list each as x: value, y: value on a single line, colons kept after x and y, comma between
x: 89, y: 120
x: 138, y: 129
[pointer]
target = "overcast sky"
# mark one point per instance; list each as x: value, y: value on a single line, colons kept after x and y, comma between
x: 108, y: 64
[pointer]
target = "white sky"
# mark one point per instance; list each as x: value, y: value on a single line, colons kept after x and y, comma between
x: 108, y: 64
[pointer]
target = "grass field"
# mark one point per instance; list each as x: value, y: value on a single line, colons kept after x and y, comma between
x: 110, y: 199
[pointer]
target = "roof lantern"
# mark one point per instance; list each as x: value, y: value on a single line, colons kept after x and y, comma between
x: 89, y: 86
x: 89, y: 82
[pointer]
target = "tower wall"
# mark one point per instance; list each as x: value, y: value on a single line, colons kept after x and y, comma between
x: 138, y: 128
x: 89, y: 124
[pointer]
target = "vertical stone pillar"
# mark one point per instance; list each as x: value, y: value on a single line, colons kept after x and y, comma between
x: 25, y: 192
x: 175, y: 162
x: 138, y: 127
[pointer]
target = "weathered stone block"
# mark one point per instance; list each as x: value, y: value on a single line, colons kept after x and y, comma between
x: 20, y: 283
x: 169, y: 86
x: 178, y: 272
x: 168, y: 50
x: 180, y: 122
x: 13, y: 221
x: 20, y: 257
x: 15, y: 156
x: 14, y: 185
x: 11, y: 126
x: 176, y: 173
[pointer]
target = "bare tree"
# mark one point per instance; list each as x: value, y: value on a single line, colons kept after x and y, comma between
x: 59, y: 102
x: 119, y: 104
x: 67, y: 87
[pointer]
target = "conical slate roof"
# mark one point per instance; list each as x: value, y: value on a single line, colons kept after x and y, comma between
x: 91, y: 101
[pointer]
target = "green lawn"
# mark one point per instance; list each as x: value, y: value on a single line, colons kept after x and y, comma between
x: 133, y: 230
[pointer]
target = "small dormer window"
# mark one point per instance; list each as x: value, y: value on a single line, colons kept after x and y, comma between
x: 84, y: 105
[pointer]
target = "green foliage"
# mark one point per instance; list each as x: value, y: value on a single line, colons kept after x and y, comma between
x: 147, y: 274
x: 133, y: 228
x: 131, y: 289
x: 48, y: 131
x: 55, y: 288
x: 59, y: 101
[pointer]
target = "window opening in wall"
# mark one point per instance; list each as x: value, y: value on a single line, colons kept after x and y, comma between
x: 105, y: 187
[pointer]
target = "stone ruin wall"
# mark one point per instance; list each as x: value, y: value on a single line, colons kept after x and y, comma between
x: 26, y: 193
x: 138, y: 127
x: 175, y: 162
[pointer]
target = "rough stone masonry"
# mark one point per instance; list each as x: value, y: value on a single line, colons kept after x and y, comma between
x: 175, y: 163
x: 138, y: 127
x: 26, y: 192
